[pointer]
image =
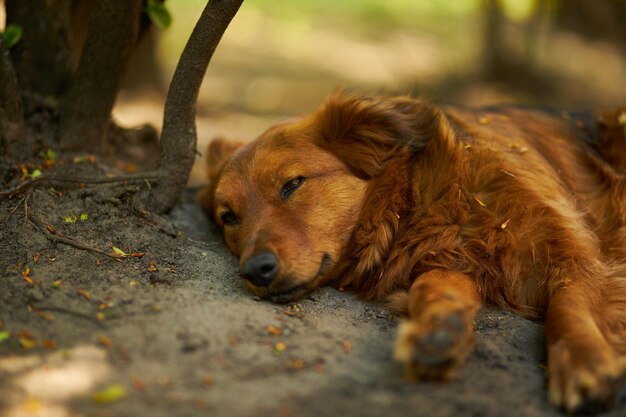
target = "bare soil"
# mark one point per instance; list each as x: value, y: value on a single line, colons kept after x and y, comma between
x: 176, y: 333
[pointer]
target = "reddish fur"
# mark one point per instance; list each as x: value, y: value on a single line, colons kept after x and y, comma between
x: 511, y: 201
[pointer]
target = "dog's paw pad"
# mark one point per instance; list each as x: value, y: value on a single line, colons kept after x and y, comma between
x: 435, y: 349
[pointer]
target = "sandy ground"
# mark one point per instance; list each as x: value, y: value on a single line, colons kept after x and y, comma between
x: 175, y: 332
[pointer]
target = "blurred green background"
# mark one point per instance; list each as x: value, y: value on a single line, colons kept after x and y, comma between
x: 282, y: 57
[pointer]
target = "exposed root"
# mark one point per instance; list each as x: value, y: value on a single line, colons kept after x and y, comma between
x: 61, y: 179
x: 69, y: 312
x: 54, y: 236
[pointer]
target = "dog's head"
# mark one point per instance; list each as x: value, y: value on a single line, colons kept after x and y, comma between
x: 289, y: 201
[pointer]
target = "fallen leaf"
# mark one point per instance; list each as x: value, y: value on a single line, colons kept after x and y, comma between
x: 84, y: 216
x: 26, y: 276
x: 27, y: 343
x: 137, y: 383
x: 208, y: 380
x: 25, y: 333
x: 32, y: 405
x: 23, y: 169
x: 112, y: 393
x: 49, y: 344
x: 274, y: 331
x: 279, y: 348
x: 483, y: 120
x: 51, y: 229
x: 50, y: 155
x: 4, y: 336
x: 152, y: 267
x: 296, y: 364
x: 347, y: 346
x: 100, y: 316
x: 505, y: 224
x: 105, y: 341
x: 118, y: 251
x: 56, y: 283
x: 137, y: 254
x: 84, y: 293
x: 36, y: 257
x: 70, y: 218
x: 45, y: 315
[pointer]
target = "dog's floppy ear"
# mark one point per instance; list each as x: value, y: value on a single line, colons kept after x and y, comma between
x: 363, y: 132
x: 218, y: 153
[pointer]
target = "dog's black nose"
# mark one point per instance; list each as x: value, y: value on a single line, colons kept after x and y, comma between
x: 260, y: 269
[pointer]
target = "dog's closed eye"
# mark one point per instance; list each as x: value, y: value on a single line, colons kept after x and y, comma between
x: 290, y: 186
x: 228, y: 218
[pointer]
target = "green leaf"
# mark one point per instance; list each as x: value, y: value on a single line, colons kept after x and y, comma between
x: 119, y: 251
x: 84, y: 216
x: 158, y: 14
x: 4, y: 336
x: 71, y: 218
x: 35, y: 173
x: 112, y: 393
x: 12, y: 35
x: 50, y: 155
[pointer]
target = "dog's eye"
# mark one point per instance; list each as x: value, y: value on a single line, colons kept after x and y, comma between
x: 228, y: 218
x: 291, y: 186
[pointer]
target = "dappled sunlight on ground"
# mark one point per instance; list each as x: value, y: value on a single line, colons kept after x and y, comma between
x: 39, y: 385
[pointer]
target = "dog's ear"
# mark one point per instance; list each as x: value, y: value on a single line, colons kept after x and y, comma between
x: 363, y: 132
x: 218, y: 153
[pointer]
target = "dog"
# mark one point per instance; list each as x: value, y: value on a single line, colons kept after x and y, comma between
x: 437, y: 211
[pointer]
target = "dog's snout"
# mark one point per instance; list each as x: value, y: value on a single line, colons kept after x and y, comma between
x: 260, y: 269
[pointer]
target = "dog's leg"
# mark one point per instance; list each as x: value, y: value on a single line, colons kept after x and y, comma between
x: 439, y: 335
x: 583, y: 367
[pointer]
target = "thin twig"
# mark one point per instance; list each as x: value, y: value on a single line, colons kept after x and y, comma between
x: 54, y: 236
x: 149, y: 176
x: 201, y: 243
x: 70, y: 312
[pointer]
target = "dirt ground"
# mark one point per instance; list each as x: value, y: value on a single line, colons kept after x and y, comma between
x: 175, y: 333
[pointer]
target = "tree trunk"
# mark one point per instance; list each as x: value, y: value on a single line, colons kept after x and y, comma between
x: 12, y: 127
x: 178, y: 138
x: 494, y: 59
x: 85, y: 111
x: 43, y: 46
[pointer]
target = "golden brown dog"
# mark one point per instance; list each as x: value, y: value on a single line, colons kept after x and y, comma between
x: 437, y: 212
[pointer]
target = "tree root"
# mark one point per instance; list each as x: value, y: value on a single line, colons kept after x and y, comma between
x: 55, y: 237
x: 70, y: 312
x: 60, y: 179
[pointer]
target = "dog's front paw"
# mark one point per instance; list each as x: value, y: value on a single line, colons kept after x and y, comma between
x: 583, y: 379
x: 434, y: 347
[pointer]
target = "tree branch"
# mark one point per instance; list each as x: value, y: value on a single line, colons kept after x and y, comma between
x: 12, y: 126
x: 178, y: 138
x: 85, y: 112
